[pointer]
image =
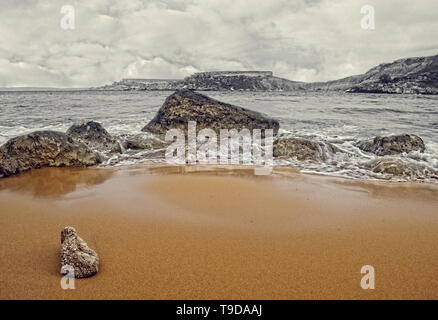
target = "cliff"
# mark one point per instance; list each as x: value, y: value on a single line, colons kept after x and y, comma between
x: 212, y: 81
x: 235, y: 80
x: 411, y: 75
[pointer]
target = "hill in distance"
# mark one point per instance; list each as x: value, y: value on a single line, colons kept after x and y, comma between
x: 410, y: 76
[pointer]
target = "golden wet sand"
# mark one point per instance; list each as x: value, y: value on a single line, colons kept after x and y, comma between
x: 193, y: 233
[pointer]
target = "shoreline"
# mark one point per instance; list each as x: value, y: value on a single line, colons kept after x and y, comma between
x: 174, y: 233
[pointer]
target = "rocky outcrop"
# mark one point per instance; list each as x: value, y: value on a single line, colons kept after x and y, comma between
x: 239, y: 80
x: 302, y: 149
x: 412, y: 75
x: 43, y: 149
x: 76, y: 254
x: 417, y: 75
x: 94, y: 135
x: 400, y: 168
x: 185, y: 105
x: 144, y: 142
x: 211, y: 81
x: 383, y: 146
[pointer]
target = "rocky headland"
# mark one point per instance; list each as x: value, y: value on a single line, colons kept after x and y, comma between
x: 211, y: 81
x: 418, y: 75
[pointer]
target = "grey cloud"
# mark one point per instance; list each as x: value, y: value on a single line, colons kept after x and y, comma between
x: 300, y: 40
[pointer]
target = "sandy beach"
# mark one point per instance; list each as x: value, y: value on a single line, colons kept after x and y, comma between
x: 193, y: 233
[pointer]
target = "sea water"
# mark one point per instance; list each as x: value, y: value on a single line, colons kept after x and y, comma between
x: 341, y: 119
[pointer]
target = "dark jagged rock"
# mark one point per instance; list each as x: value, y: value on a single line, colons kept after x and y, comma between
x: 383, y: 146
x: 94, y: 135
x: 302, y: 149
x: 43, y: 149
x: 75, y: 253
x: 185, y: 105
x: 398, y: 167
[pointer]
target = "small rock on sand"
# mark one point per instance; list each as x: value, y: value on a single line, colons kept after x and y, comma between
x: 76, y: 253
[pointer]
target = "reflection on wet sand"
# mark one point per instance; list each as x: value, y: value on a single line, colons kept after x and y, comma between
x: 212, y: 170
x: 393, y: 190
x: 55, y: 182
x: 377, y: 189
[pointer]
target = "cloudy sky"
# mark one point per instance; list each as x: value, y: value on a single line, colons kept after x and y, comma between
x: 307, y: 40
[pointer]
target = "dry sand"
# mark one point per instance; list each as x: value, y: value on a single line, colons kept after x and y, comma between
x: 174, y: 233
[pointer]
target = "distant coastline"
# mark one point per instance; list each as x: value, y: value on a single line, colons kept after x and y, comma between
x: 409, y: 76
x: 418, y: 75
x: 48, y: 89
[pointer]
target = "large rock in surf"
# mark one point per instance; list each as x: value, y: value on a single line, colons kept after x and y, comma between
x: 185, y: 105
x: 302, y: 149
x: 43, y: 149
x: 76, y: 254
x: 398, y: 167
x: 94, y: 135
x: 385, y: 146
